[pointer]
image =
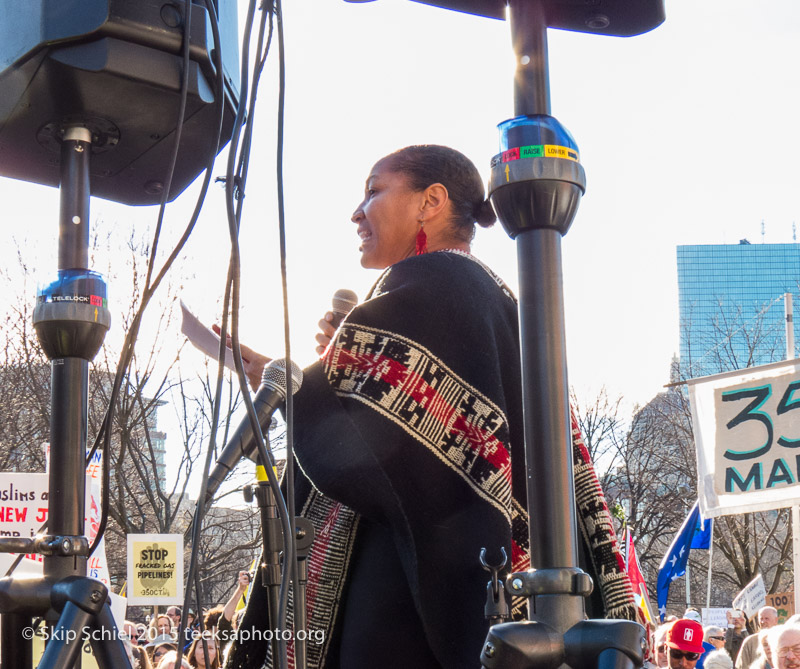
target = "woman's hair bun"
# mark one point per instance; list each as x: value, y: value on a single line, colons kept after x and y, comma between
x: 484, y: 214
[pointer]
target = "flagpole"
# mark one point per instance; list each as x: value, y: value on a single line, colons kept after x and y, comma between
x: 710, y: 562
x: 688, y: 598
x: 688, y: 576
x: 789, y: 313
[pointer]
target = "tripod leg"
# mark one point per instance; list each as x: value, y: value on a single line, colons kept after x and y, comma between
x: 66, y: 638
x: 15, y: 651
x: 106, y: 644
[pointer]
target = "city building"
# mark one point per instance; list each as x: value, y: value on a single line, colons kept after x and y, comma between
x: 731, y: 304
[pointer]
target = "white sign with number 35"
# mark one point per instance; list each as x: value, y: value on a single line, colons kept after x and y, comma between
x: 747, y: 436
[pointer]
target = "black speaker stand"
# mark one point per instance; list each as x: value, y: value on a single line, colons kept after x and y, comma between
x: 71, y: 318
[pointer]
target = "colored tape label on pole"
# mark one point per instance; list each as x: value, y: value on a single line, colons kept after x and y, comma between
x: 540, y: 151
x: 94, y: 300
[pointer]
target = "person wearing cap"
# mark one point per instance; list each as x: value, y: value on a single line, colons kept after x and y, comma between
x: 693, y: 614
x: 684, y: 642
x: 192, y: 625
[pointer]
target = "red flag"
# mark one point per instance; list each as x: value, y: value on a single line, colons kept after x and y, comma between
x: 635, y: 575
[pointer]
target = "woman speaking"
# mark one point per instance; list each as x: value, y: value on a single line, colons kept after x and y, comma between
x: 405, y: 433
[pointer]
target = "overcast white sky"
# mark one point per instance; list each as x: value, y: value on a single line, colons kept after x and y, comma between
x: 688, y: 135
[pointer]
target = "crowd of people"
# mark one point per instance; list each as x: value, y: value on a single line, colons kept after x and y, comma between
x: 202, y: 643
x: 683, y: 643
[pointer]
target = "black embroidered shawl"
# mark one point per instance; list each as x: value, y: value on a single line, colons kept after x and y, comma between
x: 412, y: 419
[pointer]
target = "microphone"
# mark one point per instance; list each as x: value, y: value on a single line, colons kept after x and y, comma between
x: 270, y: 396
x: 344, y: 301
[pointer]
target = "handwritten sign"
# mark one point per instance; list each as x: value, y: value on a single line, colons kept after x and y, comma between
x: 747, y: 435
x: 24, y: 502
x: 155, y: 569
x: 715, y: 616
x: 23, y: 510
x: 752, y: 598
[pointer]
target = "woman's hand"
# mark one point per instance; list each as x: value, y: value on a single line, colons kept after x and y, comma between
x: 327, y: 330
x: 254, y: 362
x: 243, y: 582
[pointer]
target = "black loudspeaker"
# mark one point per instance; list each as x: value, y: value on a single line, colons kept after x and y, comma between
x: 618, y: 18
x: 113, y: 66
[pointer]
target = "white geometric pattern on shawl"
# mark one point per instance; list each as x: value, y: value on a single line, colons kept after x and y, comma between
x: 407, y: 384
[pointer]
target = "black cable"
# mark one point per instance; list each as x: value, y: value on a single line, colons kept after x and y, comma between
x: 234, y: 214
x: 235, y: 182
x: 126, y: 354
x: 200, y: 509
x: 235, y: 187
x: 289, y: 473
x: 244, y: 157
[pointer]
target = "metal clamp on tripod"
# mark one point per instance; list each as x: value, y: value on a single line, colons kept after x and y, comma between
x: 71, y: 318
x: 534, y: 643
x: 46, y: 544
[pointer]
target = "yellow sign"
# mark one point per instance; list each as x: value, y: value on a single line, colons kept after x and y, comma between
x: 155, y: 569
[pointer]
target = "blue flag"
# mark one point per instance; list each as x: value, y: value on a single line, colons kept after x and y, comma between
x: 702, y: 532
x: 694, y: 533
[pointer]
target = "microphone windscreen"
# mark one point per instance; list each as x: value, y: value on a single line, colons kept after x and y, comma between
x: 274, y: 377
x: 344, y: 301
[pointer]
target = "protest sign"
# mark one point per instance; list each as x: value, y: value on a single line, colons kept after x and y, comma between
x: 783, y: 603
x: 155, y: 569
x: 23, y: 510
x: 715, y: 616
x: 752, y: 598
x: 747, y: 431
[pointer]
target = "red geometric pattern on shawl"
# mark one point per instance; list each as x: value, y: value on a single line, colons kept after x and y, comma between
x: 334, y: 536
x: 597, y: 529
x: 408, y: 385
x: 405, y: 383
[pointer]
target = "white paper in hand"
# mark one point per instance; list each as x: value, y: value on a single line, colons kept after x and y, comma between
x: 205, y: 339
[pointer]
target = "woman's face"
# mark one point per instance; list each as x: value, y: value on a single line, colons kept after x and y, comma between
x: 160, y: 652
x: 199, y: 655
x: 388, y: 218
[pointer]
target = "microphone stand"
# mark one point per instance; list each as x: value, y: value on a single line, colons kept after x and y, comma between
x: 71, y: 319
x: 304, y: 537
x: 270, y: 568
x: 272, y: 543
x: 536, y: 185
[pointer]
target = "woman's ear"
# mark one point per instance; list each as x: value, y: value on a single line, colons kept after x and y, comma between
x: 435, y: 200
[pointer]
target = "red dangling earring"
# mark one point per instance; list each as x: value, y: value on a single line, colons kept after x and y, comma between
x: 422, y: 240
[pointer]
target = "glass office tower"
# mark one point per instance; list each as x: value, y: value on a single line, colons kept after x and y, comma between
x: 731, y: 304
